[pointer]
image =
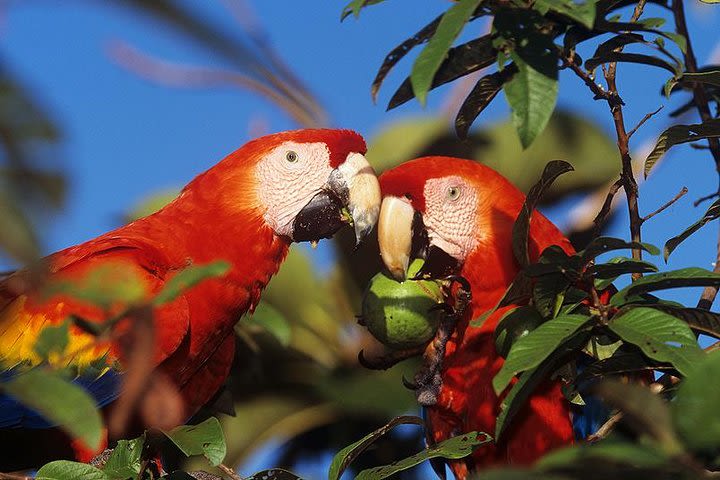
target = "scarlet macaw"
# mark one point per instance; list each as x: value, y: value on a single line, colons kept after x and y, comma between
x: 287, y: 187
x: 460, y: 215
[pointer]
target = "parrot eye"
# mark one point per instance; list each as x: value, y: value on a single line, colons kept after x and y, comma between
x: 291, y: 156
x: 453, y: 193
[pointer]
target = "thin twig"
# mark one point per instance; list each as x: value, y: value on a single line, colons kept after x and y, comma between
x: 641, y: 122
x: 666, y: 205
x: 705, y: 198
x: 229, y: 472
x: 607, y: 205
x: 605, y: 428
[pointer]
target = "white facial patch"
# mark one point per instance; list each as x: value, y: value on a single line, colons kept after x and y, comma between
x: 288, y: 178
x: 450, y: 214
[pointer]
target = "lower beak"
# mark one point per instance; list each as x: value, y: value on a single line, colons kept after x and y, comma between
x: 402, y: 236
x: 351, y: 196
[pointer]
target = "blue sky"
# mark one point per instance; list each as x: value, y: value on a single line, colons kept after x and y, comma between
x: 125, y: 138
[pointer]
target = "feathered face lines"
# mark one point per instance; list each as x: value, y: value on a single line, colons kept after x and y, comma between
x: 309, y: 189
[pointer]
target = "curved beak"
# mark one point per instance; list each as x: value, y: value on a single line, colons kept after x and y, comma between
x: 351, y: 196
x: 402, y: 236
x: 395, y: 235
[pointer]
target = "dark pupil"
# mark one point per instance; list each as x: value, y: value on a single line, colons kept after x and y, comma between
x: 291, y: 156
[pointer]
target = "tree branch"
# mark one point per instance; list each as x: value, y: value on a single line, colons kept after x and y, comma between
x: 667, y: 204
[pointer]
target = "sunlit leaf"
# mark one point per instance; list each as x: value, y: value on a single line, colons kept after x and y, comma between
x: 698, y: 319
x: 205, y: 438
x: 452, y: 448
x: 712, y: 213
x: 531, y: 350
x: 125, y: 459
x: 61, y: 403
x: 685, y: 277
x: 67, y: 470
x: 432, y: 56
x: 678, y: 134
x: 583, y: 12
x: 355, y: 6
x: 711, y: 78
x: 188, y: 278
x: 659, y: 335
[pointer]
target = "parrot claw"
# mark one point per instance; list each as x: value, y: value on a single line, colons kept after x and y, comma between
x: 408, y: 384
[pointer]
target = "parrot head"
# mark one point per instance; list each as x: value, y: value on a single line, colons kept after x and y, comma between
x: 305, y: 184
x: 441, y: 209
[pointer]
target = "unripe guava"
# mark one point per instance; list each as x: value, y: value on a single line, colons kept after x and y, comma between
x: 515, y: 324
x: 398, y: 314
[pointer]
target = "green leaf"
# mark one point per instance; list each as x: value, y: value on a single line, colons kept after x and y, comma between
x: 532, y: 350
x: 519, y: 291
x: 711, y: 78
x: 268, y: 318
x: 710, y: 1
x: 355, y: 6
x: 52, y: 340
x: 432, y: 56
x: 685, y: 277
x: 205, y: 438
x: 620, y: 266
x: 188, y: 278
x: 532, y: 95
x: 67, y: 470
x: 678, y: 134
x: 452, y: 448
x: 581, y: 12
x: 698, y: 319
x: 60, y: 402
x: 625, y: 360
x: 659, y: 335
x: 607, y: 244
x: 548, y: 292
x: 125, y: 459
x: 521, y: 228
x: 712, y: 213
x: 648, y: 413
x: 695, y: 406
x: 17, y: 237
x: 347, y: 455
x: 519, y: 393
x: 627, y: 453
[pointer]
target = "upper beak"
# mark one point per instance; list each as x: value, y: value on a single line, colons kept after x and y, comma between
x: 395, y: 234
x: 351, y: 189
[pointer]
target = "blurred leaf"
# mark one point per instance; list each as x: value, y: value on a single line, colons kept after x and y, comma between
x: 712, y: 77
x: 698, y: 319
x: 17, y: 237
x: 272, y: 321
x: 627, y: 453
x: 432, y: 56
x: 685, y: 277
x: 378, y: 393
x: 60, y: 402
x: 205, y: 438
x: 347, y: 455
x: 459, y: 61
x: 695, y: 406
x: 150, y: 205
x: 646, y: 411
x: 452, y: 448
x: 521, y: 228
x: 581, y: 12
x: 403, y: 140
x: 532, y: 350
x: 274, y: 473
x: 125, y: 459
x: 712, y: 213
x: 188, y: 278
x: 480, y: 97
x: 531, y: 94
x: 104, y: 285
x: 678, y: 134
x: 355, y: 6
x: 397, y: 53
x: 659, y: 335
x: 52, y: 339
x: 67, y: 470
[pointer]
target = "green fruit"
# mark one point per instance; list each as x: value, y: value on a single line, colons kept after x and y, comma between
x: 399, y: 315
x: 515, y: 324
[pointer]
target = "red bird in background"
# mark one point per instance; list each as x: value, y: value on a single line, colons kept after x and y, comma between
x: 288, y: 187
x: 462, y: 213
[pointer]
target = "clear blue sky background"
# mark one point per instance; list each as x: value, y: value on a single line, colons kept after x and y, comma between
x: 125, y: 138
